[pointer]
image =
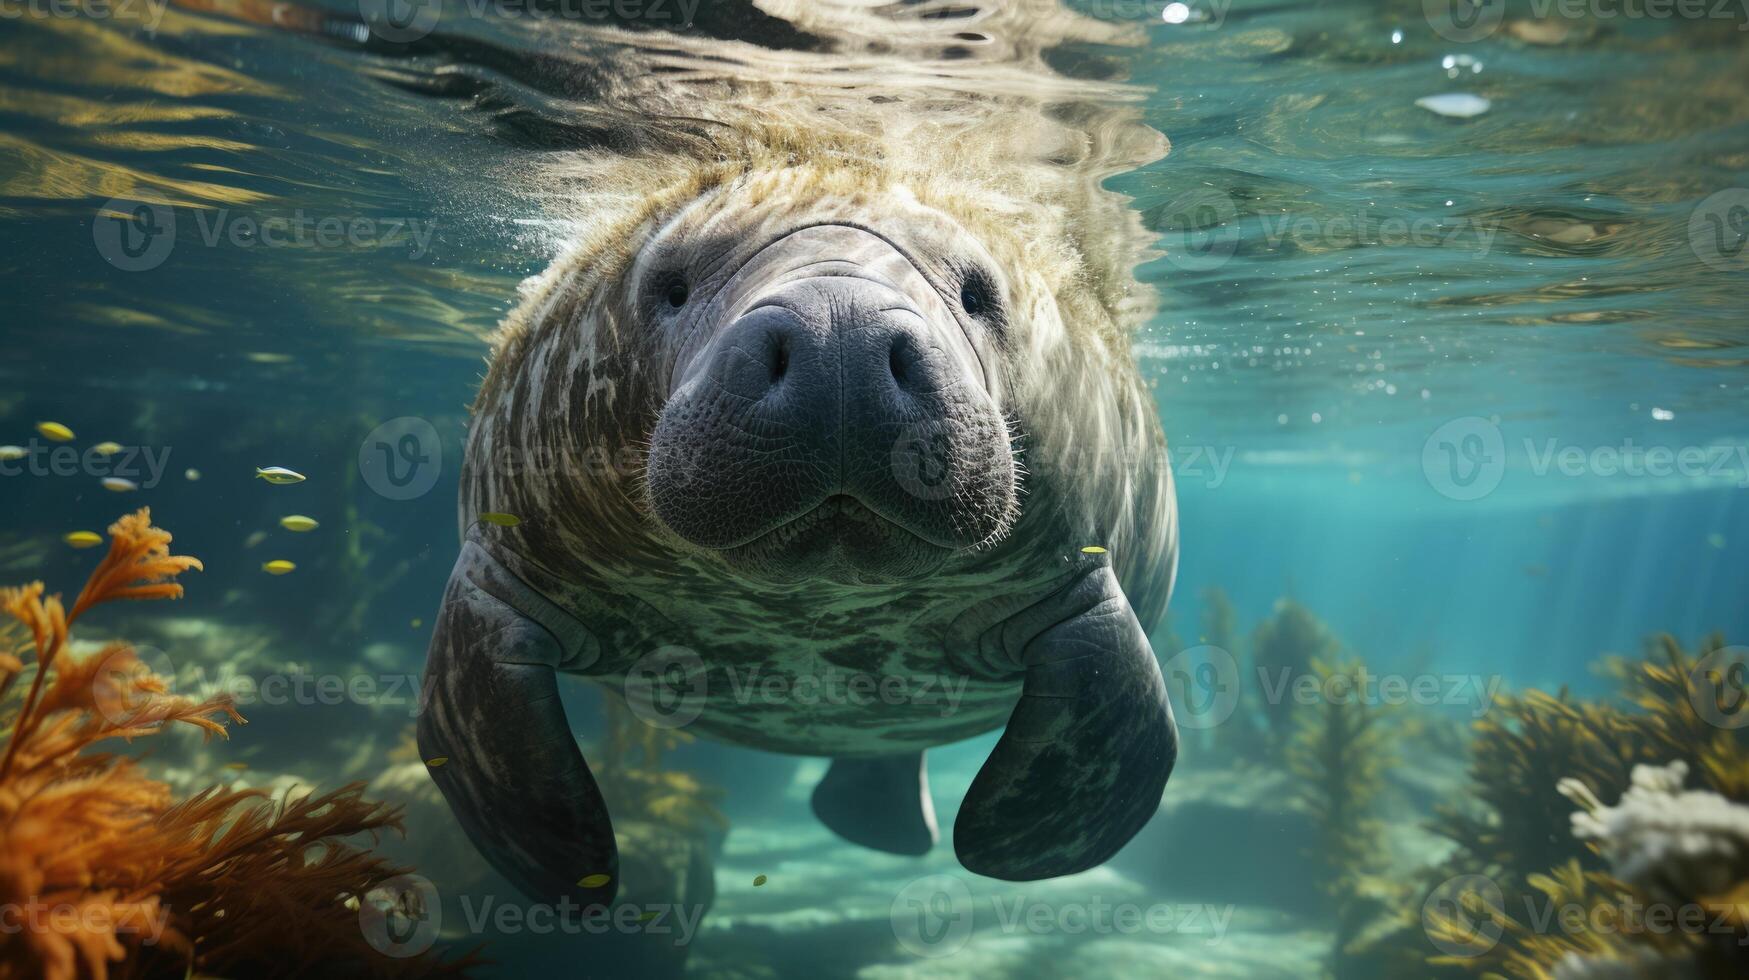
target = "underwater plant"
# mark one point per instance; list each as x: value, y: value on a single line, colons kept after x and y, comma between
x: 1340, y: 753
x: 1284, y: 647
x: 633, y: 779
x: 1661, y: 846
x: 103, y: 873
x: 1671, y: 903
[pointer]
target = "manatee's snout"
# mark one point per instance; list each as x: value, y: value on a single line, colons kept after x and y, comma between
x: 834, y: 422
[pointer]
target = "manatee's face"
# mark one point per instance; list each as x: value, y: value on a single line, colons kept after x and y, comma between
x: 832, y: 409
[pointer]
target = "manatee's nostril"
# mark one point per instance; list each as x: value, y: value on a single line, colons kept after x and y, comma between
x: 779, y: 361
x: 905, y: 362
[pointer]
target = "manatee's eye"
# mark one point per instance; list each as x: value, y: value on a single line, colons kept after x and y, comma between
x: 677, y: 293
x: 977, y: 294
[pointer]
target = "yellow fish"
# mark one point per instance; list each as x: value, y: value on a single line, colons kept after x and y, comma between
x: 278, y: 474
x: 13, y: 452
x: 298, y: 522
x: 55, y: 431
x: 107, y: 448
x: 594, y: 881
x: 191, y: 474
x: 83, y: 539
x: 278, y: 566
x: 759, y: 880
x: 1093, y: 549
x: 500, y: 520
x: 236, y: 766
x: 436, y: 761
x: 119, y: 485
x: 418, y: 623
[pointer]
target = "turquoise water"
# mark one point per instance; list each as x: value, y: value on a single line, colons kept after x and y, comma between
x: 1471, y: 389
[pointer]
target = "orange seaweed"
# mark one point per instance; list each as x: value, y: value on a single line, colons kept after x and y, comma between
x: 103, y: 874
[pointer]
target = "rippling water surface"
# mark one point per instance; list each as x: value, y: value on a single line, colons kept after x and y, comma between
x: 1466, y: 377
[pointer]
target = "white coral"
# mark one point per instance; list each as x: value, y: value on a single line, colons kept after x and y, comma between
x: 1674, y: 844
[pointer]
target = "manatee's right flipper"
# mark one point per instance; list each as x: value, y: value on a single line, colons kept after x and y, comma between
x: 490, y: 712
x: 881, y: 802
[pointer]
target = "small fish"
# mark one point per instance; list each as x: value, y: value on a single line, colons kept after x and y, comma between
x: 191, y: 474
x: 649, y: 916
x: 1717, y: 540
x: 759, y: 880
x: 594, y: 881
x: 1455, y: 105
x: 107, y: 448
x: 298, y: 522
x: 254, y: 538
x: 1093, y: 549
x: 268, y: 357
x: 278, y: 566
x: 83, y: 539
x: 436, y: 760
x: 55, y: 431
x: 13, y: 452
x: 236, y: 766
x: 497, y: 519
x: 417, y: 623
x: 119, y: 485
x: 278, y: 475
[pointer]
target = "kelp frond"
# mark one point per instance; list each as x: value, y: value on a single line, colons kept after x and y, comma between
x: 107, y: 874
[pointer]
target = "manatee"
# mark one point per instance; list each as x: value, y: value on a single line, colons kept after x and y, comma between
x: 825, y: 437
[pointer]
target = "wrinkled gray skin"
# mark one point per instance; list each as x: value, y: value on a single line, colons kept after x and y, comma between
x: 830, y: 491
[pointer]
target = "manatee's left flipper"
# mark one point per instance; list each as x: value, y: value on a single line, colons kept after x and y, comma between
x: 881, y: 803
x: 495, y: 736
x: 1087, y: 750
